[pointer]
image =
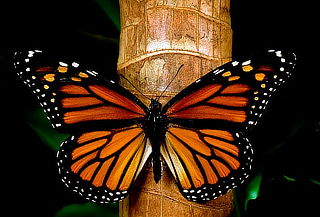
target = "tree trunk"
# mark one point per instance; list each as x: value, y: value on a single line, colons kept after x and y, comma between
x: 157, y: 36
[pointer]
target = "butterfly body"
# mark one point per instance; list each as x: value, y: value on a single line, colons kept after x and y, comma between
x: 155, y: 125
x: 200, y: 134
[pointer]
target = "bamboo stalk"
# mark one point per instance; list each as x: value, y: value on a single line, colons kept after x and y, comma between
x: 157, y: 36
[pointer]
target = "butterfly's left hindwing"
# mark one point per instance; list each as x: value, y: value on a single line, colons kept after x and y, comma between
x: 102, y: 165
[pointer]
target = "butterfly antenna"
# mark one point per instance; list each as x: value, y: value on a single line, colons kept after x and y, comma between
x: 134, y: 87
x: 170, y: 82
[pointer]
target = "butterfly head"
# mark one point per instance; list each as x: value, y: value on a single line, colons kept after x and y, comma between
x: 155, y: 106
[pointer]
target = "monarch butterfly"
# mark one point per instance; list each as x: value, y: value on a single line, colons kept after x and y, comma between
x: 199, y: 133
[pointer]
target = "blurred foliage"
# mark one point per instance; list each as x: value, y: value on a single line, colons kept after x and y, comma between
x: 111, y: 8
x: 253, y: 189
x: 88, y: 209
x: 285, y: 176
x: 38, y: 121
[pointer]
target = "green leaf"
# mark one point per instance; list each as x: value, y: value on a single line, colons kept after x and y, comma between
x: 88, y: 209
x: 111, y: 9
x: 289, y: 178
x: 315, y: 181
x: 38, y: 121
x: 101, y: 38
x: 237, y: 212
x: 253, y: 189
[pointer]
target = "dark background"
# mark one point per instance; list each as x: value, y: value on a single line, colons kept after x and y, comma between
x: 285, y: 142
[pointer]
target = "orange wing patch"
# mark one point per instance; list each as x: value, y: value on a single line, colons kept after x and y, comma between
x: 230, y: 160
x: 260, y: 76
x: 191, y: 139
x: 49, y: 77
x: 88, y: 172
x: 103, y: 161
x: 194, y: 98
x: 265, y: 68
x: 211, y: 112
x: 213, y: 102
x: 175, y: 164
x: 99, y: 113
x: 74, y: 102
x: 236, y: 101
x: 236, y: 89
x: 188, y: 160
x: 219, y: 133
x: 222, y: 169
x: 210, y: 174
x: 92, y: 135
x: 77, y: 165
x: 101, y: 174
x: 196, y: 157
x: 119, y: 140
x: 126, y: 158
x: 95, y: 102
x: 118, y: 99
x: 232, y: 149
x: 45, y: 69
x: 91, y: 146
x: 132, y: 170
x: 74, y: 89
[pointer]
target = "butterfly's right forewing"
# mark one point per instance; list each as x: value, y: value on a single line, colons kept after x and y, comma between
x: 235, y: 94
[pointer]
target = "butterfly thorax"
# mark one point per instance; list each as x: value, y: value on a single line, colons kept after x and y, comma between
x: 155, y: 127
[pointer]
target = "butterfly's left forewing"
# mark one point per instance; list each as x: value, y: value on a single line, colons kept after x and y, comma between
x: 206, y: 149
x: 74, y: 97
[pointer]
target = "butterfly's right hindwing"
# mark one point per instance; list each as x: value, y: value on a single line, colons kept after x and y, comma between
x: 206, y: 163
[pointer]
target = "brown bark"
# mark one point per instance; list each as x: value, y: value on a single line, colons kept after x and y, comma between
x: 157, y: 36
